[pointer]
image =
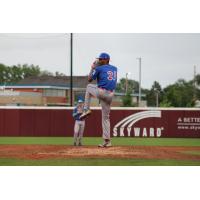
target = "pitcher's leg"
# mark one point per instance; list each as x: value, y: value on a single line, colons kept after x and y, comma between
x: 105, y: 120
x: 91, y: 90
x: 105, y: 104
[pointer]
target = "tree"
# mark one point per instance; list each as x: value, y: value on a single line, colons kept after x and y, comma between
x: 151, y: 94
x: 2, y: 73
x: 127, y: 100
x: 179, y: 94
x: 59, y: 74
x: 46, y: 73
x: 198, y: 86
x: 30, y: 70
x: 197, y: 78
x: 15, y: 73
x: 165, y: 103
x: 132, y: 86
x: 6, y: 74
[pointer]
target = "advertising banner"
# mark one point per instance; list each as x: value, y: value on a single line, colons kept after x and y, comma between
x: 125, y: 122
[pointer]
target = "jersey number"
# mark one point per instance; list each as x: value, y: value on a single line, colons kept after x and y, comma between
x: 111, y: 75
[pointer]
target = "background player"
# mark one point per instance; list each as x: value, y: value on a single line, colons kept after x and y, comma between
x: 79, y: 123
x: 106, y: 76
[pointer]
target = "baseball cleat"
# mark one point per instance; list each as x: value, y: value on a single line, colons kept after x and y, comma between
x: 80, y: 144
x: 105, y: 144
x: 85, y: 114
x: 74, y: 143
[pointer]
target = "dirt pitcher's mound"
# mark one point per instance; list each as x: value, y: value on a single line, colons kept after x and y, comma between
x: 61, y: 151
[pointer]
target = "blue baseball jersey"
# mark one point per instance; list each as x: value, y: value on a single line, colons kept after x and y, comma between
x: 76, y: 115
x: 106, y: 76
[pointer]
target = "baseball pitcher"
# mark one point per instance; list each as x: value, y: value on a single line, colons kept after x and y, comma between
x: 79, y: 123
x: 106, y: 76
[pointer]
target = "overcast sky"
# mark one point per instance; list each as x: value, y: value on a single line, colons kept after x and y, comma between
x: 165, y: 57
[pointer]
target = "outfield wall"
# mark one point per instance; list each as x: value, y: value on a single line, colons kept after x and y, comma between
x: 125, y: 122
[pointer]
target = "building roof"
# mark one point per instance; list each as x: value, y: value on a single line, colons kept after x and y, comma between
x: 58, y: 81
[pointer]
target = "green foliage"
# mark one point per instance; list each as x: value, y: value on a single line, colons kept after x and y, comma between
x: 127, y: 100
x: 29, y: 70
x: 15, y: 73
x: 132, y: 86
x: 197, y: 78
x: 179, y: 94
x: 165, y: 103
x: 59, y: 74
x: 151, y: 94
x: 46, y: 73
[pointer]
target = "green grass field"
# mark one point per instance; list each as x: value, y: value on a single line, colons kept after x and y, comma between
x: 95, y: 141
x: 97, y: 161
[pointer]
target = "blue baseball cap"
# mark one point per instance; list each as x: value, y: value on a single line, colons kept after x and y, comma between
x: 104, y: 56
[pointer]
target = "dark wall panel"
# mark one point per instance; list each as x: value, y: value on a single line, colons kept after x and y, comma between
x: 2, y: 122
x: 11, y: 122
x: 124, y: 122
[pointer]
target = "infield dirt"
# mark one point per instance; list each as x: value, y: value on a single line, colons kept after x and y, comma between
x: 35, y: 152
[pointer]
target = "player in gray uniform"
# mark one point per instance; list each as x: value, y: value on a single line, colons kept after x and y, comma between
x: 106, y: 76
x: 79, y: 123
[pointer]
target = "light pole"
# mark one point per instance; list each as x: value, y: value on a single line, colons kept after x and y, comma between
x: 128, y: 73
x: 71, y: 69
x: 194, y: 93
x: 140, y: 60
x: 157, y: 96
